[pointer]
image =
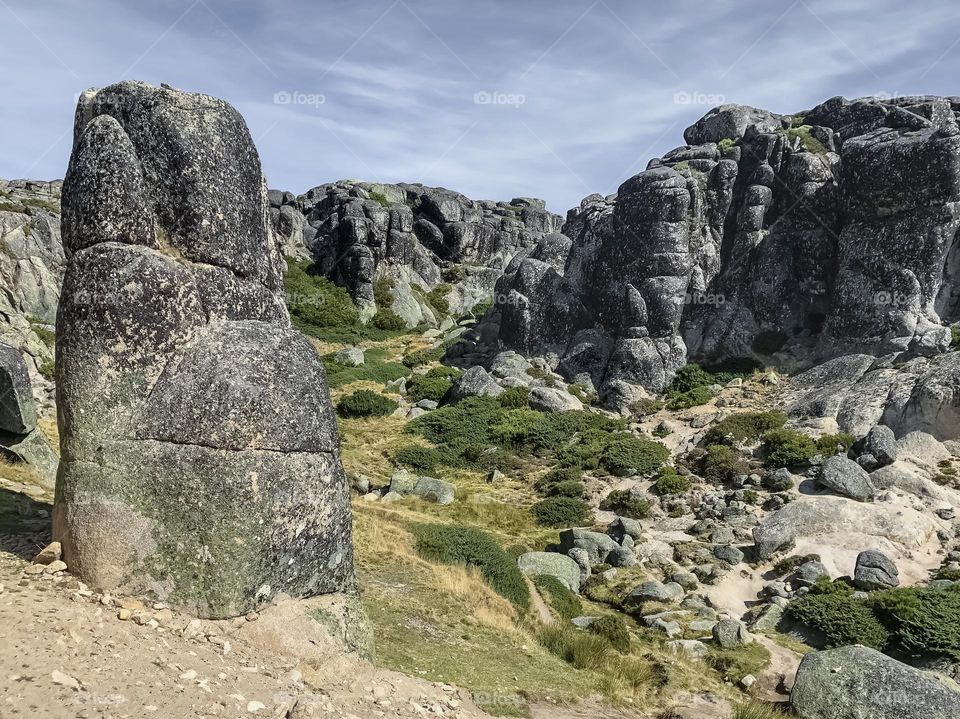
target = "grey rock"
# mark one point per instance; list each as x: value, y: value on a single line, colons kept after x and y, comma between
x: 765, y: 617
x: 475, y: 382
x: 652, y: 592
x: 722, y: 535
x: 780, y: 480
x: 34, y: 450
x: 18, y: 413
x: 808, y: 573
x: 625, y: 527
x: 431, y: 489
x: 198, y: 442
x: 685, y: 579
x: 690, y: 648
x: 856, y: 682
x: 622, y: 557
x: 550, y: 399
x: 582, y: 558
x: 728, y: 553
x: 349, y: 357
x: 874, y: 570
x: 598, y: 546
x: 730, y: 633
x: 881, y: 442
x: 551, y: 564
x: 845, y: 477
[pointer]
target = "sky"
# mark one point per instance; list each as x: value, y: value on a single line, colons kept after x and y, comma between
x: 495, y: 99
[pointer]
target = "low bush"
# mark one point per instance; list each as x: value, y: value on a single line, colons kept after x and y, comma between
x: 364, y: 403
x: 315, y: 301
x: 422, y: 459
x: 433, y: 385
x: 670, y: 482
x: 581, y: 649
x: 558, y: 476
x: 744, y: 427
x: 721, y: 463
x: 423, y: 357
x: 842, y: 618
x: 831, y: 444
x: 693, y: 398
x: 787, y: 448
x: 789, y: 564
x: 562, y: 512
x: 582, y: 392
x: 565, y: 603
x: 515, y: 398
x: 955, y: 337
x: 645, y: 406
x: 570, y: 488
x: 464, y: 429
x: 376, y: 368
x: 690, y: 377
x: 451, y: 544
x: 614, y: 630
x: 625, y: 503
x: 387, y: 319
x: 921, y: 620
x: 735, y: 663
x: 625, y: 454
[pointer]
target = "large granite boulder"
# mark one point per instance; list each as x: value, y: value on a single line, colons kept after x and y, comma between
x: 200, y: 457
x: 875, y: 570
x: 845, y: 477
x: 855, y: 682
x: 552, y: 564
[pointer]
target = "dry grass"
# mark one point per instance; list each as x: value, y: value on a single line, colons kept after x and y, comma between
x: 48, y: 425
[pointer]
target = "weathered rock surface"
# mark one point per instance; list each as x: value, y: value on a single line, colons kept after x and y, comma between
x: 874, y: 570
x: 552, y: 564
x: 200, y: 457
x: 416, y: 238
x: 847, y: 478
x: 787, y: 239
x: 855, y: 682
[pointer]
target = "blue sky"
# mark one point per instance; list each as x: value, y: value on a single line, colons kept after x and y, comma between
x: 494, y: 99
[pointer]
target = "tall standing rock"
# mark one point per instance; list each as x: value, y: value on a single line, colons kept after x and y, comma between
x: 200, y: 457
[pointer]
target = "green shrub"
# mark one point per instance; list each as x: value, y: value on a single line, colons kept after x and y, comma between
x: 480, y: 309
x: 376, y: 368
x: 743, y: 427
x: 693, y: 398
x: 614, y: 630
x: 451, y: 544
x: 364, y: 403
x: 921, y: 620
x: 827, y: 444
x: 582, y: 393
x: 46, y: 336
x: 625, y: 503
x: 669, y: 482
x: 721, y: 463
x: 809, y: 142
x: 842, y: 618
x: 379, y: 198
x: 559, y: 475
x: 690, y: 377
x: 571, y: 488
x: 645, y: 406
x: 433, y: 385
x: 437, y: 298
x: 316, y: 302
x: 581, y: 649
x: 756, y: 709
x: 561, y: 600
x: 661, y: 431
x: 387, y: 319
x: 735, y: 663
x: 787, y: 448
x: 48, y: 370
x: 726, y: 144
x: 467, y: 425
x: 789, y: 564
x: 562, y: 512
x: 423, y: 459
x: 424, y: 357
x: 625, y: 454
x: 515, y: 398
x: 383, y: 292
x: 955, y: 336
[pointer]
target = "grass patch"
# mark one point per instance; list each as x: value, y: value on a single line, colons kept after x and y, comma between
x: 565, y: 603
x: 560, y: 512
x: 744, y: 427
x: 736, y: 662
x: 364, y: 403
x: 625, y: 503
x: 375, y: 368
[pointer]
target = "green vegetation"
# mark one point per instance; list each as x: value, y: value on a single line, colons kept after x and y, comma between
x: 955, y: 337
x: 422, y: 459
x: 452, y: 544
x: 433, y: 385
x: 424, y: 357
x: 830, y: 444
x: 744, y: 427
x: 787, y: 448
x: 920, y: 620
x: 693, y: 398
x: 515, y: 398
x: 789, y: 564
x: 626, y: 454
x: 46, y: 336
x: 379, y: 198
x: 581, y: 649
x: 375, y: 368
x: 735, y: 663
x: 721, y: 463
x: 831, y: 608
x: 388, y: 320
x: 646, y: 406
x: 807, y: 140
x: 756, y: 709
x: 560, y: 512
x: 570, y: 488
x: 582, y: 393
x: 726, y: 144
x: 625, y: 503
x: 315, y: 302
x: 670, y: 482
x: 364, y: 403
x: 437, y: 298
x: 48, y: 370
x: 614, y: 630
x: 565, y: 603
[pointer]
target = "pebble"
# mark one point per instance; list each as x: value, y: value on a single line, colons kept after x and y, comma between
x: 123, y: 614
x: 51, y: 553
x: 255, y: 706
x: 56, y: 566
x: 64, y: 680
x: 34, y: 569
x: 189, y: 675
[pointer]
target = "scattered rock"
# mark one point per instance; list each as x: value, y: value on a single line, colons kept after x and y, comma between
x: 875, y: 571
x: 552, y: 564
x: 845, y: 477
x: 729, y: 633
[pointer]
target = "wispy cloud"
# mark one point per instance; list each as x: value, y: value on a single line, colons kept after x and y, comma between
x: 496, y: 99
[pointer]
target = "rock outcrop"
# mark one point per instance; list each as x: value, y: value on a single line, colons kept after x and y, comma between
x: 786, y: 239
x: 855, y: 682
x: 414, y: 239
x: 200, y: 457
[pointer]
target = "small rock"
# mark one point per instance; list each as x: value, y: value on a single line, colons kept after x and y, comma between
x: 123, y: 614
x: 729, y: 633
x: 49, y: 554
x: 255, y: 706
x: 64, y: 680
x: 56, y: 566
x: 748, y: 681
x: 34, y: 569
